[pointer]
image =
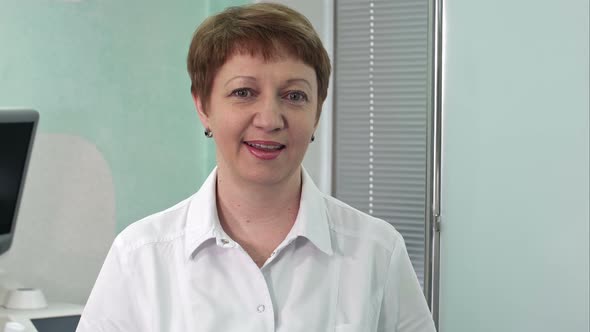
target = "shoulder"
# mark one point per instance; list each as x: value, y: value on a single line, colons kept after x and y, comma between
x: 163, y: 226
x: 347, y: 221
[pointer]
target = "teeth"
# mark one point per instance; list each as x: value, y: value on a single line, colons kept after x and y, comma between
x: 265, y: 146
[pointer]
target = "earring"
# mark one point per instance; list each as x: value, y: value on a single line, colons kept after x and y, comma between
x: 313, y: 137
x: 208, y: 133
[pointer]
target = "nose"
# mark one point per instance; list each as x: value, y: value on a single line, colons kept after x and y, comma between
x: 269, y: 116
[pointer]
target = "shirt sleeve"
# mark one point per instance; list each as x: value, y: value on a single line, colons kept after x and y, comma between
x: 111, y: 305
x: 404, y: 307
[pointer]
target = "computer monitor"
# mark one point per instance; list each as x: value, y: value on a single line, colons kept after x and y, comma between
x: 17, y: 131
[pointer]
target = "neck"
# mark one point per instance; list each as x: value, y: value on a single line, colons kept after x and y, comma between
x: 256, y: 213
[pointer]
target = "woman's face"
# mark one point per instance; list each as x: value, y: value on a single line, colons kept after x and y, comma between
x: 262, y: 115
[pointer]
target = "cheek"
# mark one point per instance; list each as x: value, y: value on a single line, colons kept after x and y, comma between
x: 303, y: 136
x: 227, y: 124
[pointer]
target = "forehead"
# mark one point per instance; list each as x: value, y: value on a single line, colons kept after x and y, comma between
x: 270, y: 50
x: 280, y: 66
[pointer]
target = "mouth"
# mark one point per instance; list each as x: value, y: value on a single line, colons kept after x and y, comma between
x: 265, y: 150
x: 269, y: 146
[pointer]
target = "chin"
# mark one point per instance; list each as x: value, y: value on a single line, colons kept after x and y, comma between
x: 266, y: 177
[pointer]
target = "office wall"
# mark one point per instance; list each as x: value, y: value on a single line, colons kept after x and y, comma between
x: 109, y: 80
x: 515, y: 211
x: 113, y: 73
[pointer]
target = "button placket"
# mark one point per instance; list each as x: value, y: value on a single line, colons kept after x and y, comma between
x: 263, y: 301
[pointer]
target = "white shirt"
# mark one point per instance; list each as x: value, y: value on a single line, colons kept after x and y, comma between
x: 338, y: 269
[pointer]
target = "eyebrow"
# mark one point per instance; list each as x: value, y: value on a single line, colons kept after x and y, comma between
x: 251, y: 78
x: 248, y: 78
x: 300, y: 80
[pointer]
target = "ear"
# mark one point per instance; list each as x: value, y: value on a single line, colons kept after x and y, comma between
x: 201, y: 112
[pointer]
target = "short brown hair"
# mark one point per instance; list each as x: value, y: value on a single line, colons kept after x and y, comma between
x: 261, y: 28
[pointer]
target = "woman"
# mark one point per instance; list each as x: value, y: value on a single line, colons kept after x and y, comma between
x: 258, y: 247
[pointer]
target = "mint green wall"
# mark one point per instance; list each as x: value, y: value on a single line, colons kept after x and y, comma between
x: 113, y: 72
x: 515, y: 210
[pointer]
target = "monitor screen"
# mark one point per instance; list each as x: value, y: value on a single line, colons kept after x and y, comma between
x: 56, y: 324
x: 17, y: 129
x: 14, y: 147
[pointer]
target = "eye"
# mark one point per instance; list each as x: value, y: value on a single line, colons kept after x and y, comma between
x: 242, y: 93
x: 296, y: 96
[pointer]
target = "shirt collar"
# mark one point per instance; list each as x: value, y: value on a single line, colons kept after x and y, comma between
x: 203, y: 223
x: 312, y: 218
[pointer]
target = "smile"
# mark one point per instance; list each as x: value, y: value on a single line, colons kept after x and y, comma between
x: 266, y: 146
x: 265, y: 150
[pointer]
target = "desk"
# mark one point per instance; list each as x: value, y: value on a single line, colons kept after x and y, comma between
x: 57, y: 317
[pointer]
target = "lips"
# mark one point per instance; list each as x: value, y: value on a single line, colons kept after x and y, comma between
x: 264, y: 150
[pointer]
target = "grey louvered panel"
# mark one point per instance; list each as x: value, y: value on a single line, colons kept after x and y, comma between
x: 387, y: 201
x: 407, y: 211
x: 410, y: 164
x: 393, y: 194
x: 381, y: 38
x: 392, y: 122
x: 398, y: 132
x: 416, y: 83
x: 349, y: 164
x: 358, y: 48
x: 405, y: 128
x: 387, y: 137
x: 404, y: 121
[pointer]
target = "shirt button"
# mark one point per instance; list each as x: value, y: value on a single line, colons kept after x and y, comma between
x: 260, y: 308
x: 226, y: 243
